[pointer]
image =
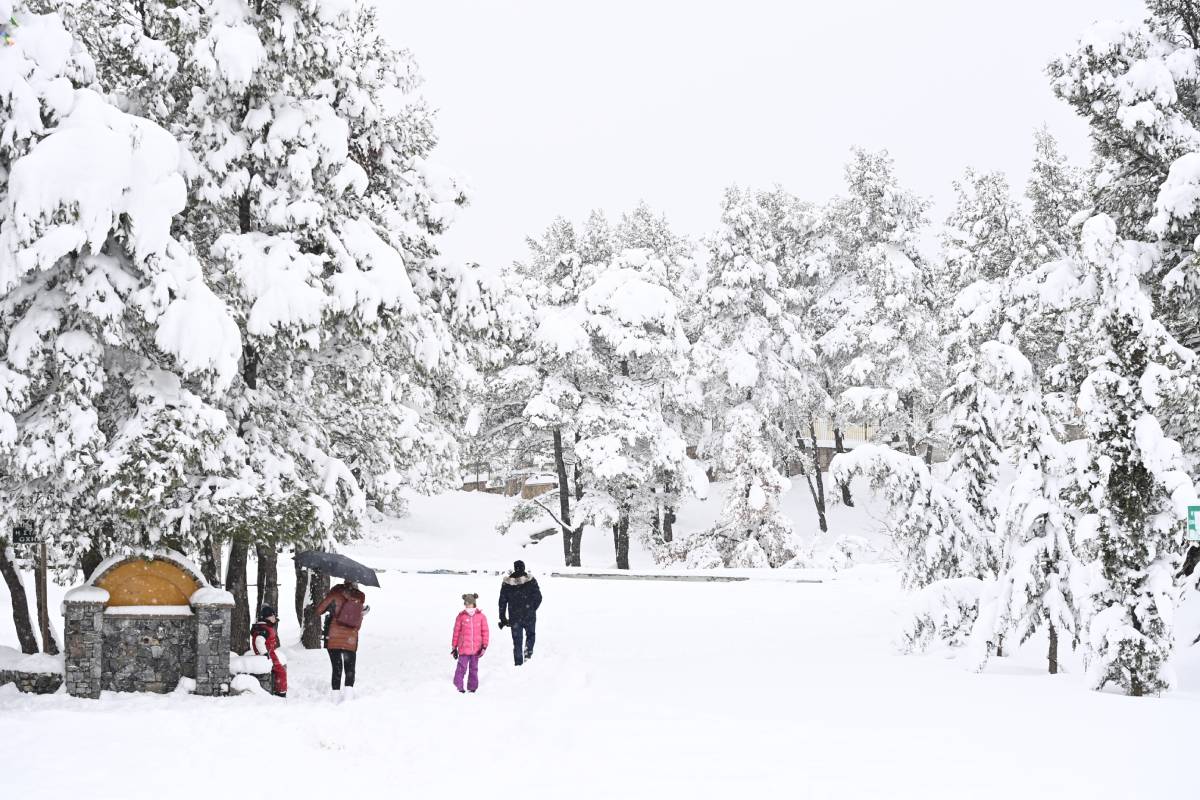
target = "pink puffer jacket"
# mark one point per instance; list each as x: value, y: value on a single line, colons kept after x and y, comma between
x: 470, y: 633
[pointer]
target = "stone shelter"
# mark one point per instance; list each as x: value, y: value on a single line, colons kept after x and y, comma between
x: 143, y: 623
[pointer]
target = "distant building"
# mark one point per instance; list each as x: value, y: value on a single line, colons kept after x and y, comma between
x: 527, y: 482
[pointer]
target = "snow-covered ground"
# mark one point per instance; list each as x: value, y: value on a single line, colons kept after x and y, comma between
x: 638, y: 689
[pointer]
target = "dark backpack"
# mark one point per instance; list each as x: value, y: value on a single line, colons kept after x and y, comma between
x: 349, y: 612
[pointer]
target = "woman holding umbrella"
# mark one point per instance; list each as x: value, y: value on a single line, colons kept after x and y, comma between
x: 345, y: 604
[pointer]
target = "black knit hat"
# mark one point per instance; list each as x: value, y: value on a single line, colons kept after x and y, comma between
x: 518, y: 567
x: 267, y: 611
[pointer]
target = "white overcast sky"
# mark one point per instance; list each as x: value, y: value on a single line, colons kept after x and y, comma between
x: 555, y: 107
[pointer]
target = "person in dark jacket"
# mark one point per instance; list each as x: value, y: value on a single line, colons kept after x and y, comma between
x: 519, y: 601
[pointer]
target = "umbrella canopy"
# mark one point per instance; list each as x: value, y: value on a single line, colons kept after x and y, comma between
x: 337, y: 565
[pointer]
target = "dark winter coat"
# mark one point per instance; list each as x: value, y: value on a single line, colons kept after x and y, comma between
x: 340, y: 637
x: 519, y: 599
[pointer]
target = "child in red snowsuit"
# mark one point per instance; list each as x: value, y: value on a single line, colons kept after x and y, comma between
x: 265, y: 638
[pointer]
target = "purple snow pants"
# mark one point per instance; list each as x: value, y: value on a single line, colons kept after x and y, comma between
x: 466, y: 663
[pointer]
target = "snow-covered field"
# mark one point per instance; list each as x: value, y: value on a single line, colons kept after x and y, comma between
x: 638, y: 689
x: 457, y: 530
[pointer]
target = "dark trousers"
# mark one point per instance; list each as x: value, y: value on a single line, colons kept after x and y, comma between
x: 523, y: 630
x: 340, y: 659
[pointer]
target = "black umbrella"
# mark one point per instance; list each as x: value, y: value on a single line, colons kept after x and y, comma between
x: 337, y: 565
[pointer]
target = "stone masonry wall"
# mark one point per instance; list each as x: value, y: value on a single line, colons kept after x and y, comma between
x: 212, y: 649
x: 84, y: 638
x: 32, y: 682
x: 147, y: 652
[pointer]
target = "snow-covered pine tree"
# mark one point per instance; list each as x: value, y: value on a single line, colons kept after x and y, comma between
x: 603, y: 373
x: 748, y: 359
x: 1040, y: 577
x: 987, y: 243
x: 752, y: 530
x: 673, y: 263
x: 881, y: 341
x: 943, y: 558
x: 943, y: 529
x: 799, y: 233
x: 110, y: 427
x: 1057, y: 191
x: 645, y: 229
x: 1136, y: 483
x: 314, y: 208
x: 536, y: 394
x: 628, y: 446
x: 987, y: 236
x: 1131, y: 81
x: 973, y: 466
x: 1134, y: 84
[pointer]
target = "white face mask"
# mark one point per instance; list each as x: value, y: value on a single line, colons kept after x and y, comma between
x: 471, y: 611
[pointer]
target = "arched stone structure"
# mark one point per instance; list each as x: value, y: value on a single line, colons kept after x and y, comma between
x: 143, y: 622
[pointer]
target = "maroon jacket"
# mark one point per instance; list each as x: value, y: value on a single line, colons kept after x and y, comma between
x: 340, y: 637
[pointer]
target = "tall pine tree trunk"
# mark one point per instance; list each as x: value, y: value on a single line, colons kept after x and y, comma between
x: 812, y: 490
x: 210, y: 560
x: 268, y: 575
x: 1052, y: 656
x: 819, y: 496
x: 839, y: 446
x: 576, y: 544
x: 303, y: 576
x: 621, y: 539
x: 910, y: 441
x: 577, y: 534
x: 668, y: 531
x: 564, y: 498
x: 656, y: 519
x: 239, y: 547
x: 318, y: 587
x: 20, y: 602
x: 235, y: 582
x: 49, y: 644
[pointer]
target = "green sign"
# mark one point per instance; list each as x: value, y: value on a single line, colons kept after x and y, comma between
x: 1193, y: 525
x: 24, y: 534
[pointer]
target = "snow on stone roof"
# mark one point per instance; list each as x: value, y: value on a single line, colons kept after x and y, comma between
x: 211, y: 596
x: 86, y: 594
x: 161, y: 553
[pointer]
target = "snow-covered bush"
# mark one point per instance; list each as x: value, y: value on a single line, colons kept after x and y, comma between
x: 751, y: 531
x: 927, y: 520
x: 943, y: 612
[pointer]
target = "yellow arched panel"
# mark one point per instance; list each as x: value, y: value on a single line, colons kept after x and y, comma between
x: 148, y: 583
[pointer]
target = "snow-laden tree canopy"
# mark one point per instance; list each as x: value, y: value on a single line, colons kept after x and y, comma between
x: 116, y: 349
x: 313, y: 208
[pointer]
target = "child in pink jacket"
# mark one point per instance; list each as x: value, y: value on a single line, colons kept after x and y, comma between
x: 469, y: 643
